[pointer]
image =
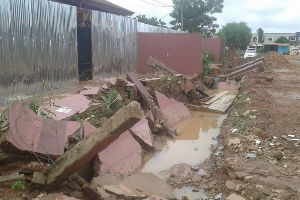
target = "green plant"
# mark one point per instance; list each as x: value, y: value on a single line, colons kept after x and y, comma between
x: 18, y: 185
x: 44, y: 112
x: 33, y: 106
x: 76, y: 118
x: 207, y: 59
x: 241, y: 122
x: 110, y: 99
x: 169, y: 77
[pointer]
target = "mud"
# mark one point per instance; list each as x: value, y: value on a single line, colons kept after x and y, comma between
x: 191, y: 147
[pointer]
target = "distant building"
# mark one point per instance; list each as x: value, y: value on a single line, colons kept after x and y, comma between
x: 270, y: 45
x: 294, y: 38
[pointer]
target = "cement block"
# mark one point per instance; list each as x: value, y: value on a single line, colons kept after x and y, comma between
x: 86, y: 149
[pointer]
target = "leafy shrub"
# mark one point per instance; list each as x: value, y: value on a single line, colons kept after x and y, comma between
x: 18, y: 185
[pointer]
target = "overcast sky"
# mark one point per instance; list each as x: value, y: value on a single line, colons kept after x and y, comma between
x: 278, y: 16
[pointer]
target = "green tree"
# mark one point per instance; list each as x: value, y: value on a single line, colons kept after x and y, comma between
x: 260, y: 34
x: 282, y: 40
x: 152, y: 21
x: 235, y: 35
x: 197, y: 15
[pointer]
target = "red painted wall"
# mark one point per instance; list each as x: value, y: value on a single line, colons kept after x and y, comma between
x: 179, y: 51
x: 215, y: 46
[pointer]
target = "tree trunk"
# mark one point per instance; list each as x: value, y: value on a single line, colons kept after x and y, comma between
x: 231, y: 54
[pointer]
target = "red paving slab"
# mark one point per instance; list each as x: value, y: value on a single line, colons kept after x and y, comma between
x: 142, y: 130
x: 152, y: 62
x: 113, y: 80
x: 142, y: 90
x: 90, y: 91
x: 30, y: 132
x: 229, y: 85
x: 123, y: 156
x: 88, y: 128
x: 173, y: 110
x: 129, y: 84
x: 69, y: 106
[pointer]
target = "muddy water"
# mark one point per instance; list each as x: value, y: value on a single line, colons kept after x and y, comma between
x: 191, y: 147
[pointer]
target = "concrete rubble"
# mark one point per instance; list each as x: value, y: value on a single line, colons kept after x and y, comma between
x: 83, y: 137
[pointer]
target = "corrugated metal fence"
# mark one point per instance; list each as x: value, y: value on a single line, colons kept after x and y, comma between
x: 38, y: 45
x: 114, y: 44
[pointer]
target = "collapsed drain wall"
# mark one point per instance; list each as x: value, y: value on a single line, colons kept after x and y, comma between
x: 38, y: 46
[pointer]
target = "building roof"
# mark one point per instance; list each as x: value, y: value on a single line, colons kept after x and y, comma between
x: 99, y: 5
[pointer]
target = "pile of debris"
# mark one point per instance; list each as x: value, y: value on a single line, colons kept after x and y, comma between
x: 103, y: 129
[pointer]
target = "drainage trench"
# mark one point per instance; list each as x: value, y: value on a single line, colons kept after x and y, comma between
x: 191, y: 147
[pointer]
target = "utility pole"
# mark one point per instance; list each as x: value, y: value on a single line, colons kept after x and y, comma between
x: 181, y: 6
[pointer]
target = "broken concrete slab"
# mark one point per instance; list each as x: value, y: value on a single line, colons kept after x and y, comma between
x: 86, y: 149
x: 173, y: 110
x: 33, y: 133
x: 122, y: 156
x: 12, y: 178
x: 222, y: 104
x: 39, y: 178
x: 187, y: 86
x: 159, y: 66
x: 215, y: 97
x: 141, y: 89
x: 90, y: 91
x: 69, y: 106
x: 88, y: 128
x: 235, y: 197
x: 142, y: 130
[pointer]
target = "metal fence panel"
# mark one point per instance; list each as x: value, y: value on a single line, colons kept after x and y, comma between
x: 114, y: 44
x: 38, y: 45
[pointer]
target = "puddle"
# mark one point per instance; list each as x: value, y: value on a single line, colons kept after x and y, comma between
x: 189, y: 192
x: 191, y: 147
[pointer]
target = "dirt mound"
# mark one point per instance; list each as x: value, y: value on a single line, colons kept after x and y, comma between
x: 275, y: 60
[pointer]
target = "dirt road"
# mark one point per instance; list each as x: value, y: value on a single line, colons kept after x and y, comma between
x: 261, y: 136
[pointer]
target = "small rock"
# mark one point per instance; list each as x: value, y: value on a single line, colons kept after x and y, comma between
x: 234, y: 141
x: 238, y: 187
x: 252, y: 147
x: 269, y: 78
x: 250, y: 155
x: 230, y: 185
x: 260, y: 133
x: 259, y: 187
x: 233, y: 130
x: 78, y: 194
x: 247, y: 112
x: 248, y: 178
x: 218, y: 196
x: 241, y: 175
x: 195, y: 168
x: 235, y: 197
x: 277, y: 155
x: 273, y: 161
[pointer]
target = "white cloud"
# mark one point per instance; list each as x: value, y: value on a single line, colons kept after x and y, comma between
x: 270, y: 15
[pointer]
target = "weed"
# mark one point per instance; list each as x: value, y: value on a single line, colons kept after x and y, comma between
x: 33, y: 106
x: 111, y: 100
x: 241, y: 122
x: 169, y: 77
x: 207, y: 59
x: 44, y: 112
x: 76, y: 118
x: 18, y: 185
x: 93, y: 121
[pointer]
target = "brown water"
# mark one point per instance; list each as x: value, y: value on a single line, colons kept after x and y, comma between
x: 192, y: 146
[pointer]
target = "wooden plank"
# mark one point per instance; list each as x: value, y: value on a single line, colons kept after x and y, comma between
x: 223, y: 103
x: 215, y: 98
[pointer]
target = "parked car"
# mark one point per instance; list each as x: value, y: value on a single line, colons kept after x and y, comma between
x: 250, y: 53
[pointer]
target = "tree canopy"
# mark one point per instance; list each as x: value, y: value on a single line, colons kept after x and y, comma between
x: 260, y: 34
x: 152, y: 21
x: 282, y: 40
x: 235, y: 35
x: 197, y: 15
